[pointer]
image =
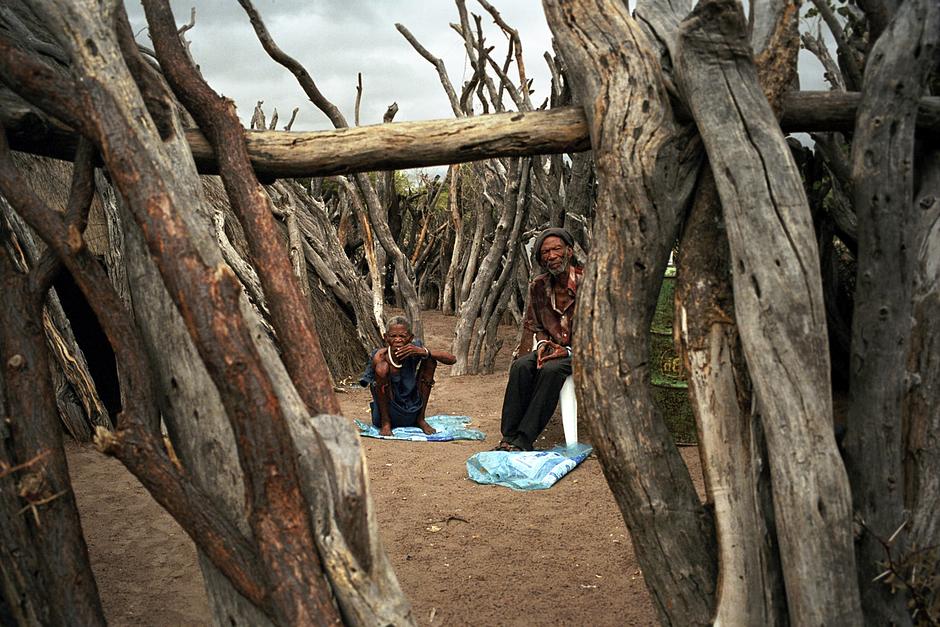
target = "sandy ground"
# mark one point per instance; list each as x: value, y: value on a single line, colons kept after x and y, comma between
x: 465, y: 554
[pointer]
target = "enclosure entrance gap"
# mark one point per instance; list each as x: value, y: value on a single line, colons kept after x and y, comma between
x: 93, y: 342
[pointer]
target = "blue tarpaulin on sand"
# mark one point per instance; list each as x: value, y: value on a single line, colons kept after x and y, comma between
x: 448, y: 428
x: 531, y: 470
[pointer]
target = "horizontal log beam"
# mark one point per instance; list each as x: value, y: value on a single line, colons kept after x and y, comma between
x: 282, y: 154
x: 830, y: 111
x: 412, y: 144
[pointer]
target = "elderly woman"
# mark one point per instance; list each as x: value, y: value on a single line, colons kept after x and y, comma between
x: 401, y: 375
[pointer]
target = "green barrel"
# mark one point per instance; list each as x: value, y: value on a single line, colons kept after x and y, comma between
x: 670, y: 388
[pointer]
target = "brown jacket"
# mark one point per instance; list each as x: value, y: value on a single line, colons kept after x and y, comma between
x: 543, y: 320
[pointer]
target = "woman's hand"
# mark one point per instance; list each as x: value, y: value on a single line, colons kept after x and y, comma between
x: 410, y: 350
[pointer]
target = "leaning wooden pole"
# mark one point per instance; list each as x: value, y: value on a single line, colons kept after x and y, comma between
x: 646, y: 167
x: 731, y: 438
x: 779, y: 309
x: 883, y: 152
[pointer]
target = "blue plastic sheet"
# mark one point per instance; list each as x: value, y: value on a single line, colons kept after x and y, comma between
x: 448, y: 428
x: 531, y: 470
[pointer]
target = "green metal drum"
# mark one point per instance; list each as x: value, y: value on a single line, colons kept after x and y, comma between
x: 670, y: 388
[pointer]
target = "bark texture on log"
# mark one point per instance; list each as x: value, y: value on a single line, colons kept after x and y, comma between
x: 883, y: 171
x: 21, y: 586
x: 922, y: 410
x: 41, y: 520
x: 644, y: 160
x: 24, y: 589
x: 731, y: 439
x: 779, y: 308
x: 345, y: 523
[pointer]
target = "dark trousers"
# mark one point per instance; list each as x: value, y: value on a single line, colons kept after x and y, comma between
x: 531, y: 397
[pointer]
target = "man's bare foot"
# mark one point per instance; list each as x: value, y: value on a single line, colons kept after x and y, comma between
x: 385, y: 430
x: 428, y: 429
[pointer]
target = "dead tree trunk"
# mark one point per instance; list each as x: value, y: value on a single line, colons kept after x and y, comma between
x: 486, y: 343
x: 731, y: 437
x: 579, y: 199
x: 882, y: 168
x: 779, y: 308
x: 483, y: 215
x: 922, y: 410
x: 486, y: 274
x: 640, y: 153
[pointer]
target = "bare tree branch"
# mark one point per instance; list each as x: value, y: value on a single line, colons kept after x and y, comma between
x: 848, y: 54
x: 358, y: 96
x: 515, y: 47
x: 293, y: 116
x: 441, y: 70
x: 403, y: 267
x: 817, y: 46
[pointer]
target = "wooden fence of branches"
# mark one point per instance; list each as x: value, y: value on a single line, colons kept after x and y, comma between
x: 232, y: 303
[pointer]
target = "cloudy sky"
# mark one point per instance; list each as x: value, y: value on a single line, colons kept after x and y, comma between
x: 336, y: 39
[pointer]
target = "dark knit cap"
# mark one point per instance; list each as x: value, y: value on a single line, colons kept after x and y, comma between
x: 554, y: 231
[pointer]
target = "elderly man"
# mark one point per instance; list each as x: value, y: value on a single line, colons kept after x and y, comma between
x: 536, y: 377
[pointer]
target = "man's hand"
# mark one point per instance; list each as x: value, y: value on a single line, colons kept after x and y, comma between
x: 410, y: 350
x: 549, y: 351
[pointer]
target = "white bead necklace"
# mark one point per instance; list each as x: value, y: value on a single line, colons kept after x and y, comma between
x: 391, y: 360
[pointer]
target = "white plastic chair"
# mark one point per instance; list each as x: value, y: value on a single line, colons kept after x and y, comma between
x: 569, y: 411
